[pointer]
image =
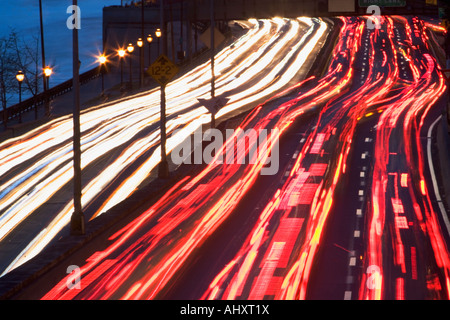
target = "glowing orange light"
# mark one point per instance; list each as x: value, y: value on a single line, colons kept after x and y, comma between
x: 102, y: 59
x: 48, y: 71
x: 121, y: 53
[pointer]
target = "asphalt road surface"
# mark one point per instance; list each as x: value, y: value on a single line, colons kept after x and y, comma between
x: 350, y: 213
x: 121, y: 140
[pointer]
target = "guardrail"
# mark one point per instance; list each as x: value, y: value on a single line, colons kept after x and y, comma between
x: 39, y: 99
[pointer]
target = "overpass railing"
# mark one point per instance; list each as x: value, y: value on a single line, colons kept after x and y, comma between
x: 39, y: 99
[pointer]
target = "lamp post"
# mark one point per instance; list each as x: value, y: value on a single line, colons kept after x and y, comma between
x: 158, y: 35
x: 102, y: 60
x: 47, y: 73
x: 141, y: 52
x: 121, y: 54
x: 213, y: 47
x: 140, y: 44
x: 20, y: 76
x: 130, y: 50
x: 47, y: 109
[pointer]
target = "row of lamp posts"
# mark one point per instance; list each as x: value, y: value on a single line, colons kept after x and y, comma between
x: 48, y: 71
x: 20, y: 77
x: 121, y: 53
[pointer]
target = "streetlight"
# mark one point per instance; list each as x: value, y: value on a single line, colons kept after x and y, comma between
x: 48, y: 72
x: 140, y: 44
x: 121, y: 53
x: 141, y: 52
x: 102, y: 60
x: 158, y: 34
x: 149, y: 40
x: 130, y: 50
x: 20, y: 76
x: 47, y: 107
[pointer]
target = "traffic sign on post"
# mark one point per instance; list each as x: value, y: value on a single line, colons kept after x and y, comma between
x: 205, y: 37
x: 163, y: 70
x: 214, y: 105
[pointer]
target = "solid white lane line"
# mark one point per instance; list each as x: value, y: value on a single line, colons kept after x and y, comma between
x: 347, y: 295
x: 433, y: 177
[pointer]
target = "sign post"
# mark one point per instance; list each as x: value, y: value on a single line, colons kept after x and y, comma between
x: 163, y: 70
x: 212, y: 39
x: 213, y: 76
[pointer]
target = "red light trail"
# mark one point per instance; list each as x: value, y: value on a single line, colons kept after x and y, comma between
x: 385, y: 76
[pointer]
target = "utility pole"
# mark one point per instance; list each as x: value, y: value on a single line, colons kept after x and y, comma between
x: 189, y: 33
x: 195, y: 27
x: 181, y: 57
x: 77, y: 220
x: 47, y: 108
x: 172, y: 41
x: 163, y: 169
x: 213, y: 50
x: 141, y: 51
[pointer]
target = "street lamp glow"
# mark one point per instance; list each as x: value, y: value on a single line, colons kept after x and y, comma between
x: 158, y: 33
x: 102, y: 59
x: 121, y: 53
x: 140, y: 43
x: 48, y: 71
x: 149, y: 38
x: 130, y: 48
x: 20, y: 76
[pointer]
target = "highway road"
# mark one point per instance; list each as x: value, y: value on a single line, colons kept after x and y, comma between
x: 120, y: 140
x: 352, y: 213
x: 358, y: 216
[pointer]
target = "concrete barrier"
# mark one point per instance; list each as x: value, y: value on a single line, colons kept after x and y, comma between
x: 443, y: 147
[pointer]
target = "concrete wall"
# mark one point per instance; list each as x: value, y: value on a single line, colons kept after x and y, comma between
x: 122, y: 25
x: 244, y: 9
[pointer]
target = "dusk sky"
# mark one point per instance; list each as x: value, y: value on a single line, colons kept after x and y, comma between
x: 23, y: 17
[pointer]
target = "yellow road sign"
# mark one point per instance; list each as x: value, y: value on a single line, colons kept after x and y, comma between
x: 205, y: 37
x: 163, y: 70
